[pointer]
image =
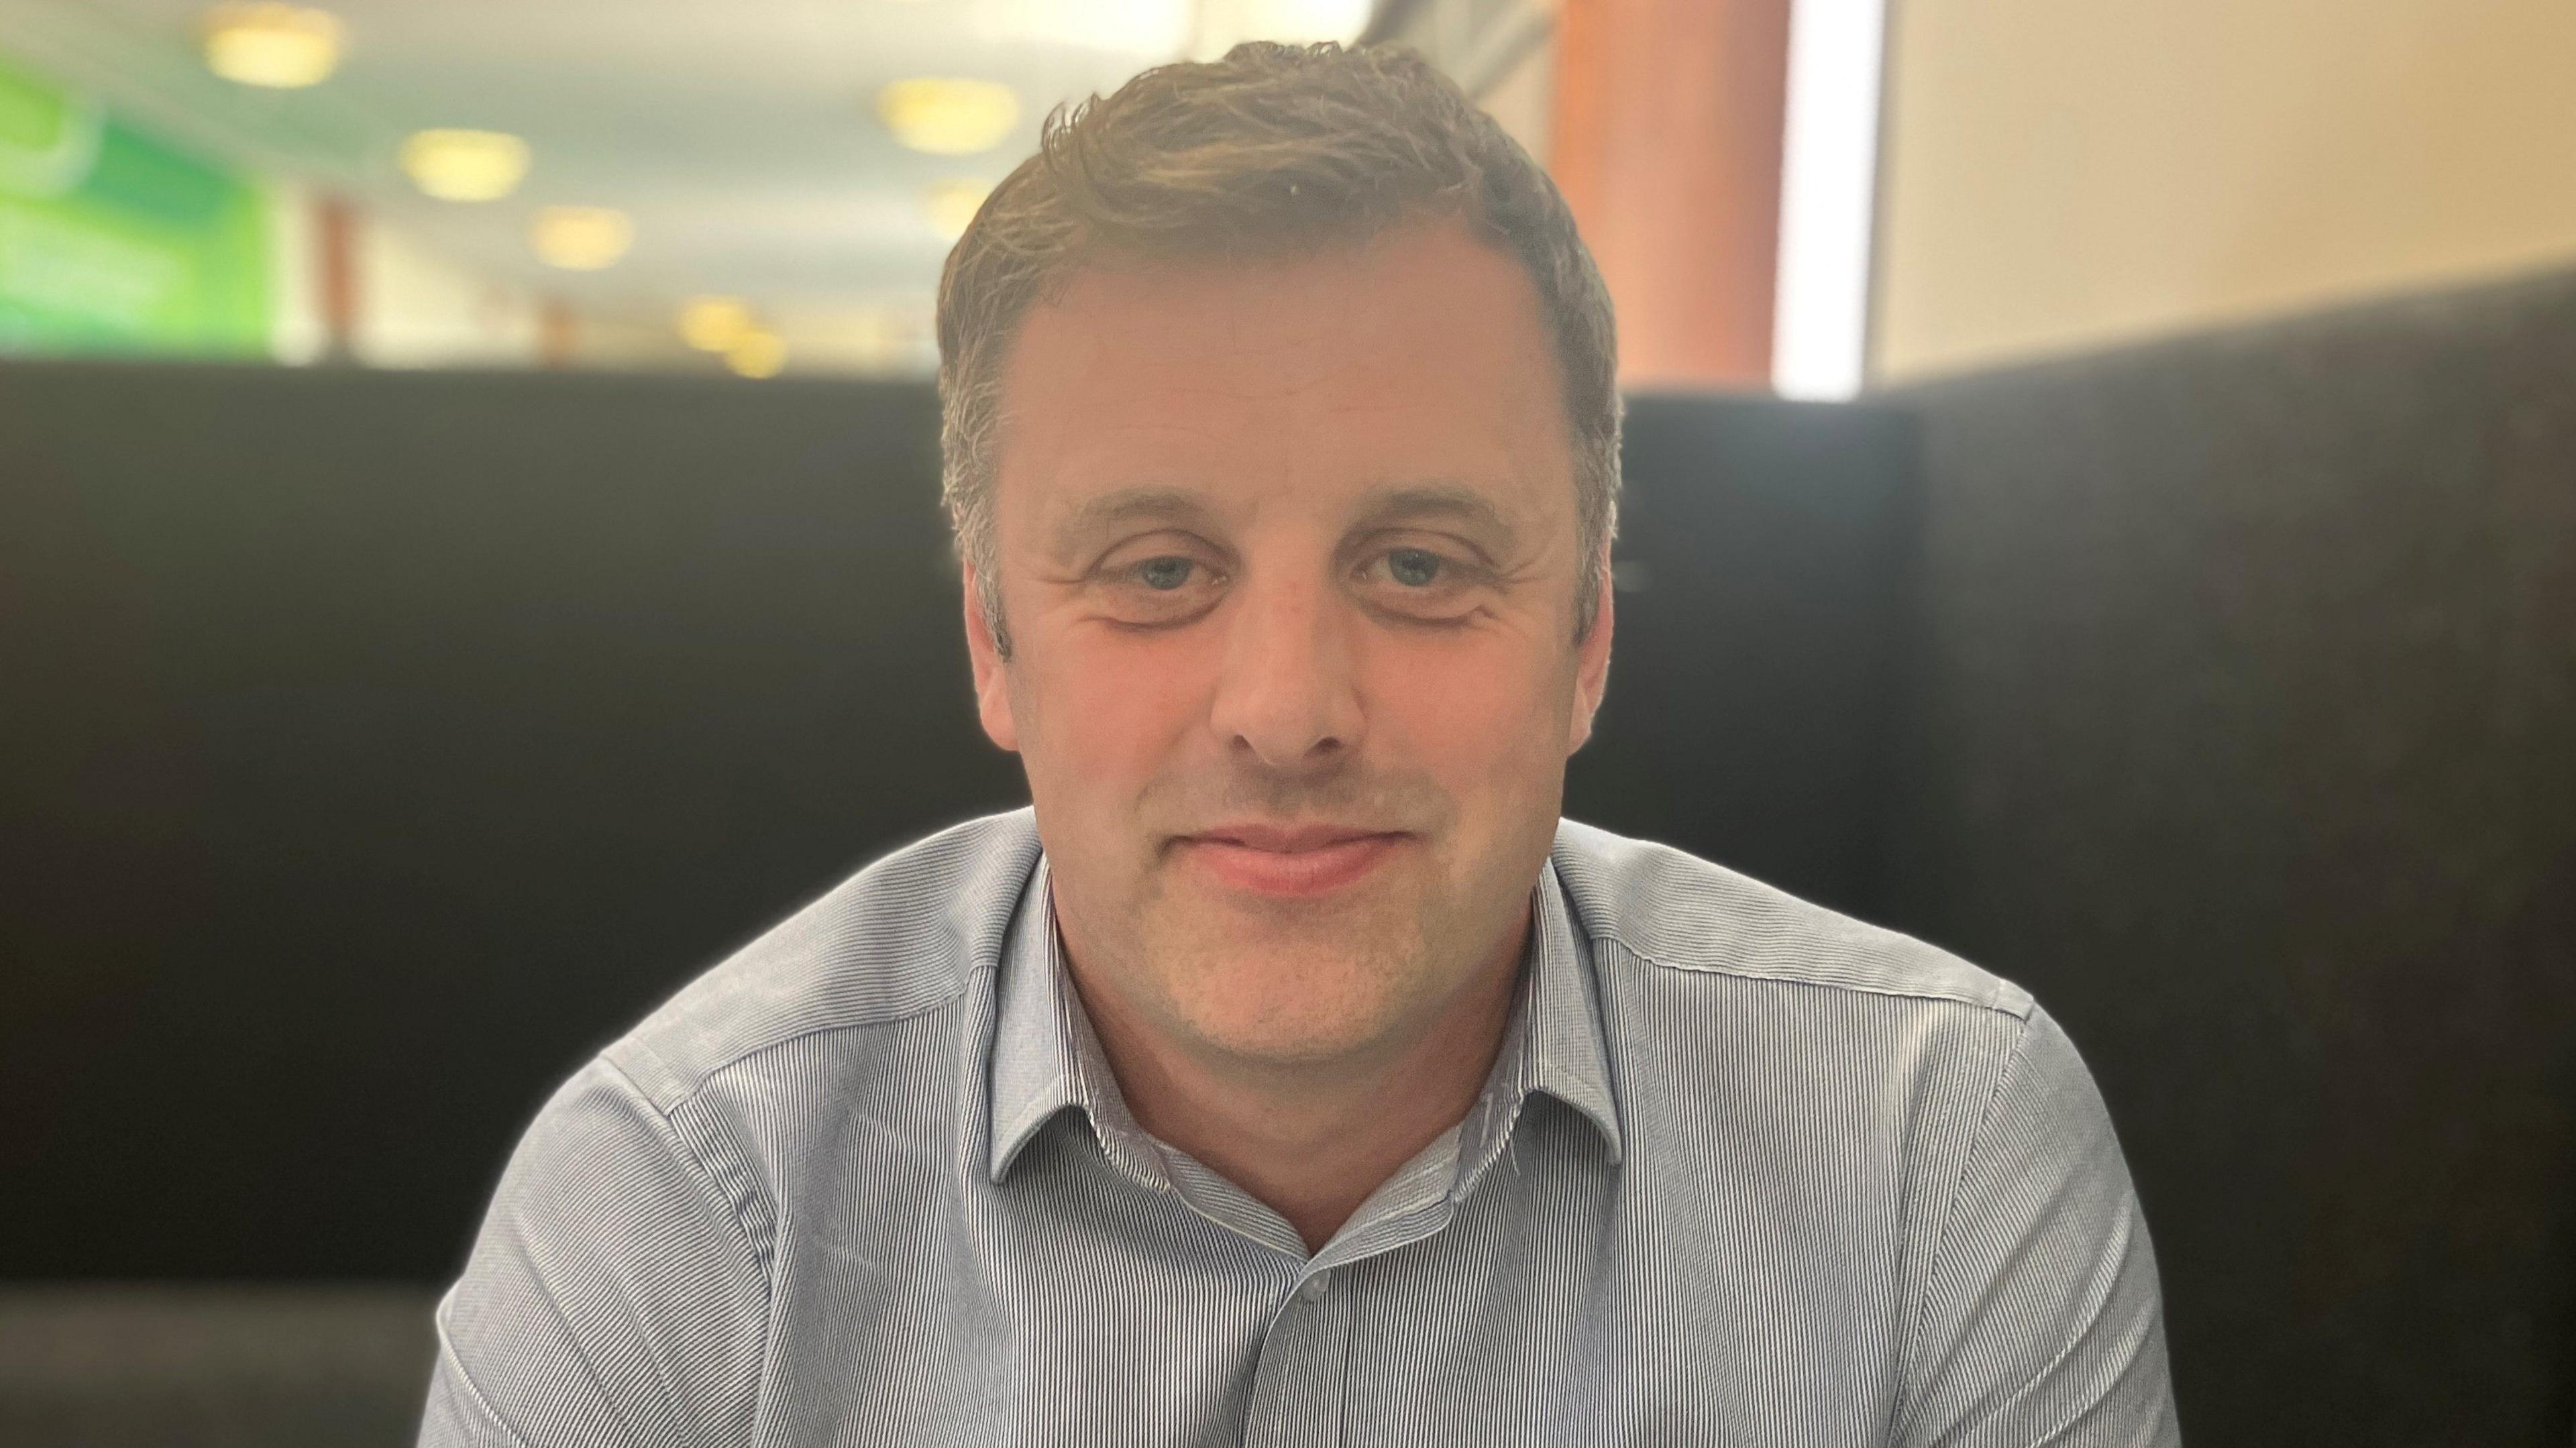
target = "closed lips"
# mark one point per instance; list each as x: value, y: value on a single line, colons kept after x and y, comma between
x: 1287, y: 841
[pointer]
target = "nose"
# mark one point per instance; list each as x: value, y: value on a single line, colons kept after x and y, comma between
x: 1288, y: 694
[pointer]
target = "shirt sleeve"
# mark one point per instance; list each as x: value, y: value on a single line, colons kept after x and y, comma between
x: 612, y: 1296
x: 2042, y: 1323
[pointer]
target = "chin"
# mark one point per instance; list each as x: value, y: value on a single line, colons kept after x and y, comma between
x: 1270, y: 1045
x: 1294, y: 1016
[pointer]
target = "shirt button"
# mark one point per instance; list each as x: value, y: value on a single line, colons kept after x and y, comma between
x: 1312, y: 1290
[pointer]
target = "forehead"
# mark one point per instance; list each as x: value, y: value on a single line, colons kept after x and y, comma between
x: 1418, y: 359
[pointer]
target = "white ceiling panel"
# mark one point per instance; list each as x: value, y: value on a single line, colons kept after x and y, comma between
x: 741, y: 135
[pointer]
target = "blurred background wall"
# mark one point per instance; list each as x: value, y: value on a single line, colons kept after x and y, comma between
x: 2040, y: 177
x: 2061, y: 176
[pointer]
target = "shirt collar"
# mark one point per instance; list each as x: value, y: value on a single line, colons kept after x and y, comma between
x: 1046, y: 1057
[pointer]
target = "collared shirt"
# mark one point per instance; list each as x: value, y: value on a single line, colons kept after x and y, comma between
x: 1046, y: 1059
x: 1744, y: 1172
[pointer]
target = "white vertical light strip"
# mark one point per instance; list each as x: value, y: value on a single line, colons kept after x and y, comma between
x: 297, y: 335
x: 1828, y: 179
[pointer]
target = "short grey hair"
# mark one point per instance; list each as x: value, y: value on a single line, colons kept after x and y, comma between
x: 1275, y: 150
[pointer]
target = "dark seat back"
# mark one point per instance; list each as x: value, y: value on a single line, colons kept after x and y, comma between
x: 2247, y: 740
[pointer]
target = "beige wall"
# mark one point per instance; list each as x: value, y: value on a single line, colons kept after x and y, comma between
x: 2064, y: 173
x: 417, y: 308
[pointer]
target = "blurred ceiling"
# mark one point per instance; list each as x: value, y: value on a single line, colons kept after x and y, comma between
x: 742, y: 136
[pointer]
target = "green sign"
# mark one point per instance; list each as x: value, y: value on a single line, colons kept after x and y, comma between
x: 113, y: 242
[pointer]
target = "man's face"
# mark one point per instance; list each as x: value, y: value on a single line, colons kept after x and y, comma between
x: 1288, y: 562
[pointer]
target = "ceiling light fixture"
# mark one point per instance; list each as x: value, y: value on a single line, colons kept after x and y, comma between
x: 275, y: 45
x: 756, y: 353
x: 581, y: 238
x: 714, y: 324
x: 465, y: 165
x: 948, y: 116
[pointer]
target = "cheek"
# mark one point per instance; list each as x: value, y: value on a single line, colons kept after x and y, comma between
x: 1103, y: 712
x: 1479, y: 712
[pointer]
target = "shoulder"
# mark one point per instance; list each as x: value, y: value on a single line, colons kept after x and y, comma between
x: 900, y: 939
x: 1675, y: 912
x: 1833, y: 1059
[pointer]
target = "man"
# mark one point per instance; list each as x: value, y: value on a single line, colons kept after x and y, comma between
x: 1290, y: 1073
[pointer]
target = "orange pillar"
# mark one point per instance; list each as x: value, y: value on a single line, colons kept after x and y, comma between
x: 335, y: 233
x: 1666, y: 142
x: 558, y: 333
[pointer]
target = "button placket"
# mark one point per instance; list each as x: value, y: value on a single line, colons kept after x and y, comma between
x: 1297, y: 1388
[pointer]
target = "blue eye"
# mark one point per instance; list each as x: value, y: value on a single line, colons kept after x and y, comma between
x: 1164, y: 574
x: 1413, y: 567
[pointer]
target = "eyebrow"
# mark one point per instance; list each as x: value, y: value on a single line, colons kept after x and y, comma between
x: 1094, y: 516
x: 1378, y: 508
x: 1454, y: 501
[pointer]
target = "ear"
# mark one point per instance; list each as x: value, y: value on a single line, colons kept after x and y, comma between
x: 1592, y: 665
x: 992, y: 683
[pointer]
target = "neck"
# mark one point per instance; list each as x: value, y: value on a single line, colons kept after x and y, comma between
x: 1311, y: 1142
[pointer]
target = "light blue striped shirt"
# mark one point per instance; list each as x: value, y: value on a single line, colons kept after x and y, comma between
x: 1745, y: 1172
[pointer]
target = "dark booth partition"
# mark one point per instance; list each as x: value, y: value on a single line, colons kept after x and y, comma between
x: 2244, y: 735
x: 376, y: 745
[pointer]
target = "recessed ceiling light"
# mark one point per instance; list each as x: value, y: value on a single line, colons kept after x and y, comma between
x: 581, y: 238
x: 948, y: 116
x: 756, y: 353
x: 953, y: 203
x: 272, y: 44
x: 465, y: 165
x: 714, y: 324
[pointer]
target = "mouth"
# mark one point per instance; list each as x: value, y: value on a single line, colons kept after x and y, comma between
x: 1289, y: 862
